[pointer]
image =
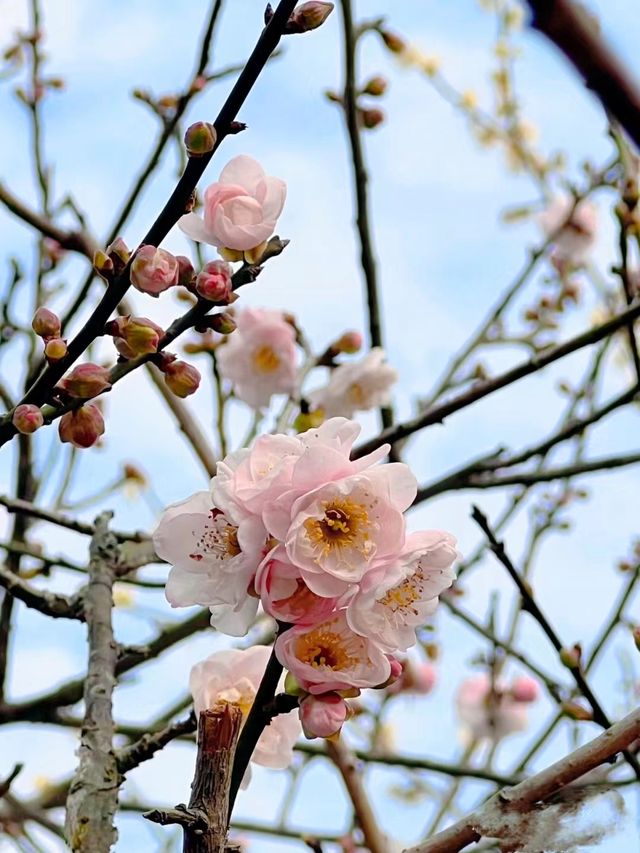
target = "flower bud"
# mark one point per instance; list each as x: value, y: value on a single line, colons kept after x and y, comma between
x: 55, y: 349
x: 181, y: 378
x: 393, y: 42
x: 83, y: 427
x: 571, y: 657
x: 323, y: 716
x: 186, y: 272
x: 200, y: 139
x: 135, y: 336
x: 222, y: 323
x: 376, y: 87
x: 154, y: 270
x: 416, y: 678
x: 46, y: 324
x: 309, y: 16
x: 27, y: 418
x: 214, y: 282
x: 86, y: 380
x: 103, y: 264
x: 525, y: 689
x: 348, y: 343
x: 119, y: 254
x: 371, y: 118
x: 576, y: 712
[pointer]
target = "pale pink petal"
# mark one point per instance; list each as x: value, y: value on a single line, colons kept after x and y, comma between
x: 243, y: 171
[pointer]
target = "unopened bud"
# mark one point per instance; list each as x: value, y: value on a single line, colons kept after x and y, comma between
x: 27, y: 418
x: 393, y: 42
x: 186, y: 272
x: 103, y: 264
x: 222, y: 323
x: 525, y: 689
x: 55, y: 349
x: 83, y: 427
x: 214, y: 282
x: 46, y: 324
x: 119, y: 253
x: 154, y: 270
x: 275, y: 246
x: 376, y: 87
x: 308, y: 16
x: 348, y: 343
x: 571, y: 657
x: 132, y: 473
x: 371, y: 118
x: 86, y: 381
x: 181, y: 378
x: 200, y: 138
x: 323, y: 716
x: 135, y: 336
x: 576, y: 712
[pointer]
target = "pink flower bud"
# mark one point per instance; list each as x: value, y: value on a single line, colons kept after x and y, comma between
x: 154, y: 270
x: 223, y: 323
x: 46, y: 324
x: 135, y: 336
x: 200, y: 139
x: 119, y: 253
x: 323, y: 715
x: 186, y: 272
x: 525, y: 689
x: 55, y: 349
x: 83, y: 427
x: 349, y: 343
x: 86, y: 380
x: 181, y: 378
x: 309, y: 16
x: 214, y: 282
x: 27, y: 418
x: 417, y: 677
x: 393, y: 42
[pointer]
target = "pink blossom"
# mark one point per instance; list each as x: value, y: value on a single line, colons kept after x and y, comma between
x: 234, y: 676
x: 330, y: 657
x: 489, y: 710
x: 577, y: 235
x: 240, y: 210
x: 356, y: 386
x: 154, y: 270
x: 392, y: 602
x: 259, y: 358
x: 525, y: 689
x: 213, y: 560
x: 323, y: 716
x: 345, y: 528
x: 285, y: 596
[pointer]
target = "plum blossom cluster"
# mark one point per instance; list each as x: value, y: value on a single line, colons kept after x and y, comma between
x: 320, y: 541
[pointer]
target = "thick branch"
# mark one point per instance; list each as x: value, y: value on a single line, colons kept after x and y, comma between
x: 206, y: 819
x: 93, y: 795
x: 49, y: 603
x: 537, y: 789
x: 571, y: 27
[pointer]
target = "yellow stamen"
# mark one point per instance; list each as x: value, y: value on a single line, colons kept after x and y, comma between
x: 265, y: 359
x: 343, y: 525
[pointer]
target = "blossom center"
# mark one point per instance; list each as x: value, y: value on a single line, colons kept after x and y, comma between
x: 242, y: 696
x: 219, y: 539
x: 343, y: 524
x: 323, y: 648
x: 265, y: 359
x: 356, y: 394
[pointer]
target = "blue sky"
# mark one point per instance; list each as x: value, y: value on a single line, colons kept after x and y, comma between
x: 444, y: 256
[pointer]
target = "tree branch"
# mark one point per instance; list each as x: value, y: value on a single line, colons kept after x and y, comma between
x: 572, y: 28
x: 536, y: 789
x: 48, y: 603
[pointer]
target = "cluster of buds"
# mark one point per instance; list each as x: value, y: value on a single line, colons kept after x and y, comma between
x: 47, y: 326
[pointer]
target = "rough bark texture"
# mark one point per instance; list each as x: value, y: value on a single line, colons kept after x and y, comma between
x: 93, y: 795
x: 206, y: 819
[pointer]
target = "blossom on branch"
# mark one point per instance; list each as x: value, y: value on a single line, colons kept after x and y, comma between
x: 240, y: 210
x: 489, y: 710
x: 356, y: 387
x: 578, y: 226
x: 259, y: 358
